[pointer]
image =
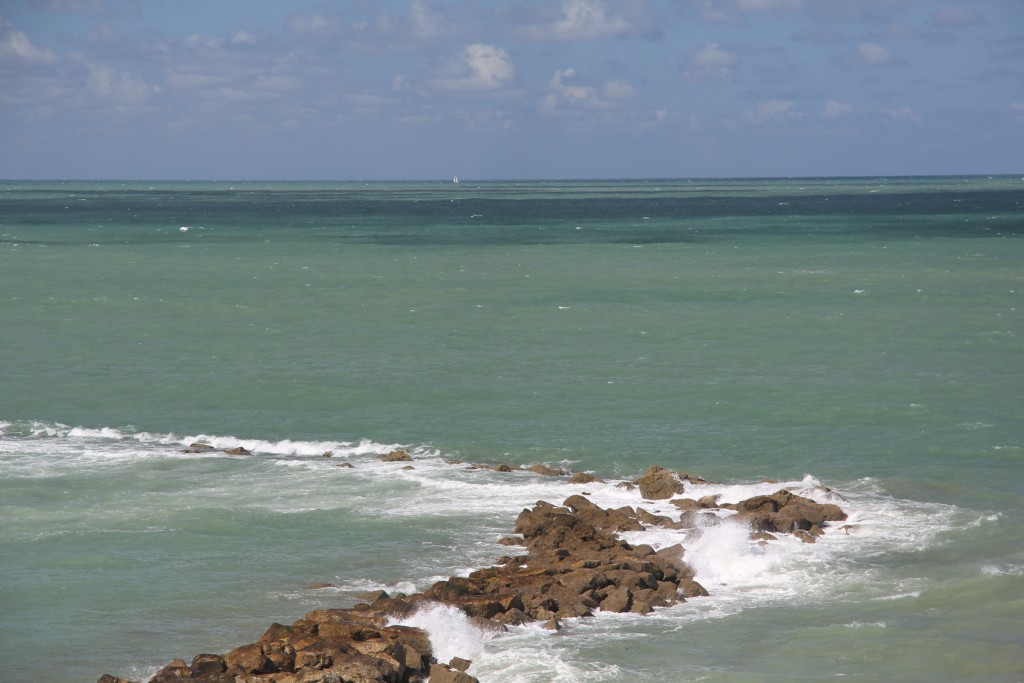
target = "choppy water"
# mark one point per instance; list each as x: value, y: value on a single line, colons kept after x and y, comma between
x: 864, y: 334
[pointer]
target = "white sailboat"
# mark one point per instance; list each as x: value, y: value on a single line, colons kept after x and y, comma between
x: 455, y: 178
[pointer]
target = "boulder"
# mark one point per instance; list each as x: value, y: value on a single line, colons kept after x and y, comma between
x: 584, y: 478
x: 574, y: 564
x: 395, y: 456
x: 785, y: 512
x: 440, y: 673
x: 658, y: 483
x: 238, y: 450
x: 618, y: 600
x: 547, y: 471
x: 250, y: 659
x: 198, y: 447
x: 459, y: 664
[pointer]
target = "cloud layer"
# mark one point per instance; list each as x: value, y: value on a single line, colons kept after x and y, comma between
x: 660, y: 74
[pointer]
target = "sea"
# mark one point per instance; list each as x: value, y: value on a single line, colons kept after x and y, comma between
x: 852, y: 337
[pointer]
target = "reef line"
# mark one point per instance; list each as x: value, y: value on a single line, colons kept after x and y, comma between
x: 573, y: 564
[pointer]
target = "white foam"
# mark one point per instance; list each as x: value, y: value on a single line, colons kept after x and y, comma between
x: 451, y: 632
x: 102, y: 433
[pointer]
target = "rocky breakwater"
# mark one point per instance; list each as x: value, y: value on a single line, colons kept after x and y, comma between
x: 572, y: 564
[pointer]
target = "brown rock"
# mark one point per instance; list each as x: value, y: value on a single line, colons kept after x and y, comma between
x: 346, y: 464
x: 459, y: 664
x: 658, y: 483
x: 439, y: 673
x: 313, y: 659
x: 395, y: 456
x: 584, y: 478
x: 513, y: 617
x: 618, y: 600
x: 359, y: 668
x: 198, y: 447
x: 237, y: 450
x: 547, y: 471
x: 373, y: 596
x: 175, y: 671
x: 250, y: 659
x: 107, y: 678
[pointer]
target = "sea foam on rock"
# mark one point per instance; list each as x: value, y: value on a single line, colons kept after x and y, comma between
x: 574, y: 565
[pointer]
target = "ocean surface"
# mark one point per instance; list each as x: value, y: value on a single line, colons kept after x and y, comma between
x: 864, y: 334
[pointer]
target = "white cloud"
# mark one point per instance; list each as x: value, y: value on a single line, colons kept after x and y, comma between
x: 905, y: 114
x: 118, y: 87
x: 15, y: 46
x: 771, y: 110
x: 319, y: 27
x: 953, y: 17
x: 583, y: 20
x: 567, y: 97
x: 563, y: 93
x: 768, y: 5
x: 618, y: 90
x: 480, y: 68
x: 868, y: 54
x: 710, y: 63
x: 87, y: 7
x: 732, y: 11
x: 426, y: 23
x: 834, y: 109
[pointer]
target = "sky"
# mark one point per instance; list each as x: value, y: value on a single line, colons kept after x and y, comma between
x: 509, y: 89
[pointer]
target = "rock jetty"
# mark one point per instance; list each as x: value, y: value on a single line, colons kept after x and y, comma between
x: 571, y: 563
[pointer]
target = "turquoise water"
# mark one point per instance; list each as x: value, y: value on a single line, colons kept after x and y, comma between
x: 860, y: 333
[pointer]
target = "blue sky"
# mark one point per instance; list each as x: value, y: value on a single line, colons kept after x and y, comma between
x: 420, y: 89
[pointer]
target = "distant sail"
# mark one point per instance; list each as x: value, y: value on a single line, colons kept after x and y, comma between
x: 455, y: 179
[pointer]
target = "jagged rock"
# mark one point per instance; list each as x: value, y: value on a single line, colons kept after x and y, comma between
x: 584, y: 478
x: 107, y: 678
x: 459, y: 664
x: 250, y: 658
x: 502, y: 468
x: 574, y: 564
x: 198, y: 447
x: 440, y: 673
x: 547, y: 471
x: 328, y: 454
x: 395, y: 456
x: 691, y: 478
x: 658, y: 483
x: 618, y: 600
x: 373, y: 596
x: 785, y: 512
x: 238, y: 450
